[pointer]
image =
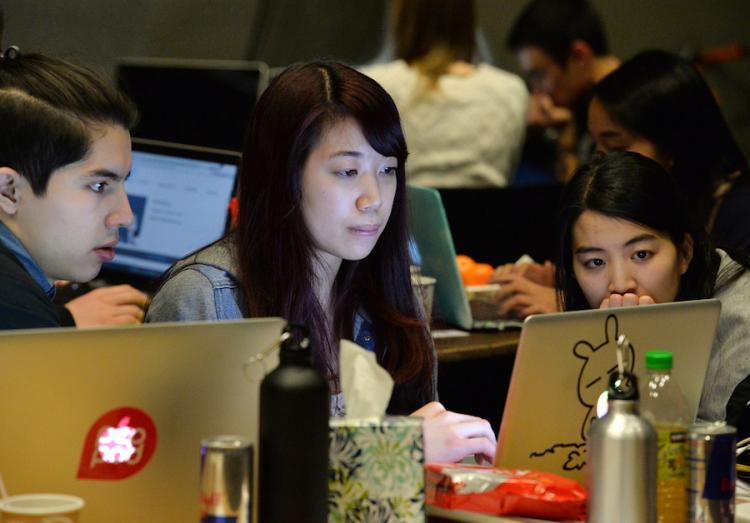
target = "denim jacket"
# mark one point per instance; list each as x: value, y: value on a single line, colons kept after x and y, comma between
x: 204, y: 286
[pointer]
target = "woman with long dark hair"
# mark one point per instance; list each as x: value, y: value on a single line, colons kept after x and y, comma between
x: 658, y: 104
x: 321, y: 240
x: 628, y: 237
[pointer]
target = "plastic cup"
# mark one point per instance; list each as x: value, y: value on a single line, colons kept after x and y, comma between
x: 40, y: 508
x: 425, y: 287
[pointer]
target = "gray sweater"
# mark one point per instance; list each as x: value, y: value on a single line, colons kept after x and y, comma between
x: 729, y: 363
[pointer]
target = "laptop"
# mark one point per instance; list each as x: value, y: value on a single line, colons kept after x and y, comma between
x: 170, y: 384
x: 562, y: 367
x: 197, y: 102
x: 433, y: 243
x: 180, y: 199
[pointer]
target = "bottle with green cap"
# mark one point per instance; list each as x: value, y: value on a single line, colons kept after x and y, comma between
x: 664, y: 404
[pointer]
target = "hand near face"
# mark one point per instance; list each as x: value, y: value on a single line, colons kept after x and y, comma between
x: 544, y: 113
x: 118, y: 305
x: 449, y: 437
x: 625, y: 300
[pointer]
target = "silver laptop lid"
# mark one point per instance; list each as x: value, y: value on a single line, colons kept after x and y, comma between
x: 561, y: 369
x: 171, y: 384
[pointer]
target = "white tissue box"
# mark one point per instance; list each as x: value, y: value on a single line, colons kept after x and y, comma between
x: 376, y: 470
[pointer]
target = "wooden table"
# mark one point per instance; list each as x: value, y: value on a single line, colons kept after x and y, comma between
x: 478, y: 345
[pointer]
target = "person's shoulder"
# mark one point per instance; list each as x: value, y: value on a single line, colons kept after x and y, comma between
x: 216, y: 262
x: 732, y: 281
x: 184, y: 296
x: 190, y: 289
x: 385, y: 71
x: 23, y: 304
x: 500, y: 77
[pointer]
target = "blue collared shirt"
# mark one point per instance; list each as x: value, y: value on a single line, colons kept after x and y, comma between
x: 13, y: 244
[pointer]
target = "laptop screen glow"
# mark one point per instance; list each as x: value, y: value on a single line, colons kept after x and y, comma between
x: 179, y: 205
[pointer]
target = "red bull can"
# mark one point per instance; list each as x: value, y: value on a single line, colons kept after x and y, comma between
x: 711, y: 458
x: 226, y: 469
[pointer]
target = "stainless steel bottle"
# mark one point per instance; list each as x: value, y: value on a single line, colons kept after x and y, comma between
x: 621, y: 457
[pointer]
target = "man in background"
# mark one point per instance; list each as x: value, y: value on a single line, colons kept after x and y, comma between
x: 562, y: 51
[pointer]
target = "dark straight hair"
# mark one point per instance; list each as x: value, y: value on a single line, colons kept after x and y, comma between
x: 631, y: 187
x: 50, y: 110
x: 553, y: 25
x: 276, y: 253
x: 663, y: 98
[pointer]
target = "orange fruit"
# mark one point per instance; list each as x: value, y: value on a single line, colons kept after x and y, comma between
x: 480, y: 274
x: 465, y: 266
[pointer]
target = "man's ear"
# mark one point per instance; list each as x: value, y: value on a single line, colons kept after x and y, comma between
x: 9, y: 188
x: 686, y: 253
x: 580, y: 53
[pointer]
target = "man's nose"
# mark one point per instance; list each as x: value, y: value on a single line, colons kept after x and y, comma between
x: 122, y: 216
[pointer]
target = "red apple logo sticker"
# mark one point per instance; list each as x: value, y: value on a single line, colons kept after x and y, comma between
x: 119, y: 444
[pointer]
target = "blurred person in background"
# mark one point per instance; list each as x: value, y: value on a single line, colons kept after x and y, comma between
x: 562, y: 50
x: 464, y: 122
x: 659, y: 104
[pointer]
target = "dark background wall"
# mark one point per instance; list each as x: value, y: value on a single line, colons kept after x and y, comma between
x: 284, y: 31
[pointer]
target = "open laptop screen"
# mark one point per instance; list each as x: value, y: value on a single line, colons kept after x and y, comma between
x: 180, y: 198
x: 197, y: 102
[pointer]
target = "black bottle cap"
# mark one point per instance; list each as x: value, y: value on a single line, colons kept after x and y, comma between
x: 623, y: 387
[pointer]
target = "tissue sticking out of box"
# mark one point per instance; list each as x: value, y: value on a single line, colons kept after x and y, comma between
x: 366, y: 385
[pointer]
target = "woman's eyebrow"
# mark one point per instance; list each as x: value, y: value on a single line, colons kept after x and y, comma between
x: 354, y: 154
x: 584, y: 250
x: 631, y: 241
x: 640, y: 238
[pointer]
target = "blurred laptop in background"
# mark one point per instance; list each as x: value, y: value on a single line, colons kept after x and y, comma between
x: 432, y: 238
x: 206, y: 103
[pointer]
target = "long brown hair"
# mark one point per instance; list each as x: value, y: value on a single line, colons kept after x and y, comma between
x: 274, y: 248
x: 432, y: 34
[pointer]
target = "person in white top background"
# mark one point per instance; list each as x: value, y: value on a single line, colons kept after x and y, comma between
x: 464, y: 122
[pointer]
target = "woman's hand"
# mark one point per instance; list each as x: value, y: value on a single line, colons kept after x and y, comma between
x: 625, y: 300
x: 449, y: 437
x: 542, y: 274
x: 520, y: 297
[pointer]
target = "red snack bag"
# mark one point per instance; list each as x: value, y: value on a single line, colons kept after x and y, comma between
x: 506, y: 492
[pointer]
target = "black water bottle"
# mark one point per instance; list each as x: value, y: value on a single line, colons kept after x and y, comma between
x: 293, y: 439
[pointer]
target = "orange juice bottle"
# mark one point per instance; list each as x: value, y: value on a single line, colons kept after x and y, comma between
x: 664, y: 404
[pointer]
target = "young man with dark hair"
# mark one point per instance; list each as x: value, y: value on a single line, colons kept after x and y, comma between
x: 64, y: 158
x: 562, y: 50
